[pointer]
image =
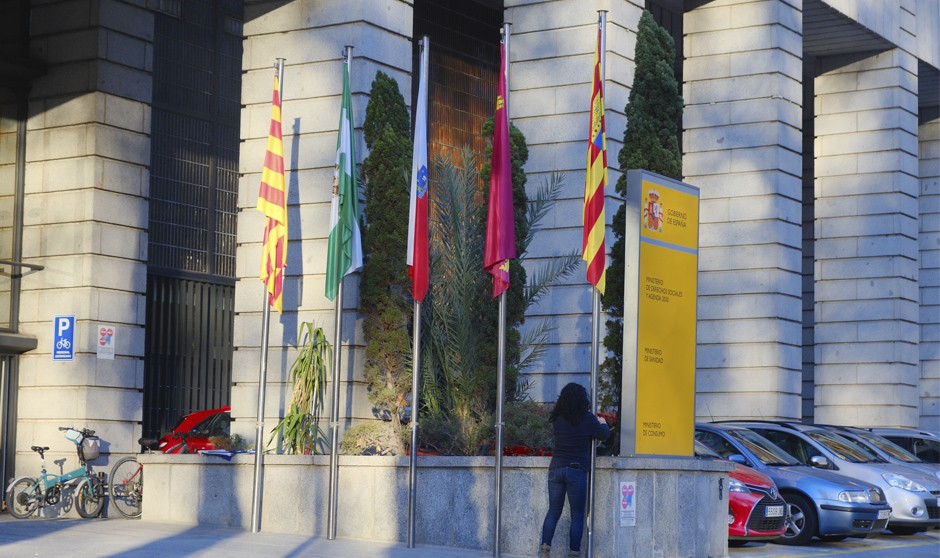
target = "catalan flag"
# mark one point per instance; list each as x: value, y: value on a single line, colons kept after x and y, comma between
x: 593, y: 249
x: 500, y: 223
x: 272, y: 201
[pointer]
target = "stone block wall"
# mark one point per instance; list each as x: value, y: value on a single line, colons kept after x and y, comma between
x: 929, y: 278
x: 552, y: 59
x: 742, y: 145
x: 866, y: 271
x: 85, y: 221
x: 455, y: 505
x: 311, y: 37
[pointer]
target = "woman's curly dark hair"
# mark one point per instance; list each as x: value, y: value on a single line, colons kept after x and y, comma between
x: 572, y: 404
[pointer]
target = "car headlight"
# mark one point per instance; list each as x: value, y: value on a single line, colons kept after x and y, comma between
x: 737, y: 486
x: 900, y: 481
x: 854, y: 496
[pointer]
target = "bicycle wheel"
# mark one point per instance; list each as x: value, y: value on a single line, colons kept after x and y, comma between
x: 126, y: 487
x: 23, y: 498
x: 89, y: 497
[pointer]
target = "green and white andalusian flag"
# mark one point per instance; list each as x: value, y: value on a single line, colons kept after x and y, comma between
x: 344, y: 254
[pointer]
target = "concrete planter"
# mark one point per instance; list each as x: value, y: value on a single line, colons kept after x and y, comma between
x: 681, y: 504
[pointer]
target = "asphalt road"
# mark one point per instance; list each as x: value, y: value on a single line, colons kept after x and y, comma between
x: 921, y: 545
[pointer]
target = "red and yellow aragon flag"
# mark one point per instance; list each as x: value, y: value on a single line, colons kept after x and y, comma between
x: 593, y: 249
x: 272, y: 201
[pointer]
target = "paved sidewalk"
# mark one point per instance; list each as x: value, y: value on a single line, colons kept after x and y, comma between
x: 100, y: 538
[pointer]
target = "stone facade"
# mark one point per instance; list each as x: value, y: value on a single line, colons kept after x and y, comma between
x: 876, y: 223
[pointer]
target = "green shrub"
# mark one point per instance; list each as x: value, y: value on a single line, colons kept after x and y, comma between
x: 370, y: 438
x: 229, y: 443
x: 527, y: 424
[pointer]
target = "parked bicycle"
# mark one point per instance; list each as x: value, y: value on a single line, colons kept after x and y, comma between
x: 126, y: 483
x: 25, y: 495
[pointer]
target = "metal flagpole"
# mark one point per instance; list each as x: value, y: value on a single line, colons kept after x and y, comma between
x: 416, y: 365
x: 501, y: 355
x: 263, y: 372
x: 596, y: 318
x: 413, y: 463
x: 334, y: 417
x: 334, y: 408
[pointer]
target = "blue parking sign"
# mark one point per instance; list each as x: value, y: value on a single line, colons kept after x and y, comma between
x: 63, y: 338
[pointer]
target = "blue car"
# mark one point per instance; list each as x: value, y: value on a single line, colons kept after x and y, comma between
x: 820, y: 503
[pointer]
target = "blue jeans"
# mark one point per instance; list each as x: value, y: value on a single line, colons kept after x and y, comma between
x: 573, y: 481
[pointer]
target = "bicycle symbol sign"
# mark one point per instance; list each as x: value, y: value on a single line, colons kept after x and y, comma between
x: 63, y: 338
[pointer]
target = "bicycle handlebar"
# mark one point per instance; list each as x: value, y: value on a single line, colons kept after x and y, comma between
x: 84, y: 431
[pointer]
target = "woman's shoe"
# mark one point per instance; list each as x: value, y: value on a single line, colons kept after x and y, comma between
x: 545, y: 551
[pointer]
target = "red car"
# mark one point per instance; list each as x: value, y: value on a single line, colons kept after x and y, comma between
x: 756, y: 511
x: 195, y: 429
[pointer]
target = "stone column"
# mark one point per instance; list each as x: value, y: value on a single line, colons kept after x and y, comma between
x: 742, y: 145
x: 552, y: 57
x: 866, y: 310
x: 85, y: 220
x: 929, y: 241
x: 311, y: 36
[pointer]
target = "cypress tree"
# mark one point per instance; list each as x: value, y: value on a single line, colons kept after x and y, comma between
x: 650, y: 142
x: 385, y: 289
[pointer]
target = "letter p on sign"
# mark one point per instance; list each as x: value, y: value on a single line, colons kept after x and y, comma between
x: 63, y: 338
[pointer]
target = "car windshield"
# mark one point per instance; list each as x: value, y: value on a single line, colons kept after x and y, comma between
x: 701, y: 450
x: 888, y: 447
x: 843, y: 448
x: 766, y: 451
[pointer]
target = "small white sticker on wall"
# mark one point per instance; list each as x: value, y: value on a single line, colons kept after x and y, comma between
x: 105, y: 345
x: 627, y: 506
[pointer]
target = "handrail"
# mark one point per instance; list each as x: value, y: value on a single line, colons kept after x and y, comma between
x: 14, y: 263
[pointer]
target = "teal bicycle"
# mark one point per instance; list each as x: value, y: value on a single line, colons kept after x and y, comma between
x: 26, y: 495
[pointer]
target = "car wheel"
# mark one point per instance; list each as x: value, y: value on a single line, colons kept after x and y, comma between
x: 904, y: 531
x: 801, y: 521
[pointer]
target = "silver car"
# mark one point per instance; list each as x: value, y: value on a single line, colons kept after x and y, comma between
x: 922, y: 443
x: 911, y: 494
x: 884, y: 448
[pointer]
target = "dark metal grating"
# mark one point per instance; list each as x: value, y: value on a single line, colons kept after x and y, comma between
x: 194, y: 140
x: 193, y: 208
x: 188, y: 362
x: 757, y: 521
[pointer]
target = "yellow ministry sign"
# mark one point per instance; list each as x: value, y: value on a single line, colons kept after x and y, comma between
x: 660, y: 288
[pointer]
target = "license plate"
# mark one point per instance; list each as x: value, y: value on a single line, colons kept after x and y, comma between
x: 883, y: 514
x: 773, y: 511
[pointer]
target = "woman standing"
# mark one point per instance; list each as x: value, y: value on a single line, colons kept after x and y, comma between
x: 575, y: 429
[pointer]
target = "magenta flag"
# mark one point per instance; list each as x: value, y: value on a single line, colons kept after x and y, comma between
x: 500, y: 228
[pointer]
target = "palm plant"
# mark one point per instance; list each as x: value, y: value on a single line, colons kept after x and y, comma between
x: 459, y: 388
x: 299, y: 429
